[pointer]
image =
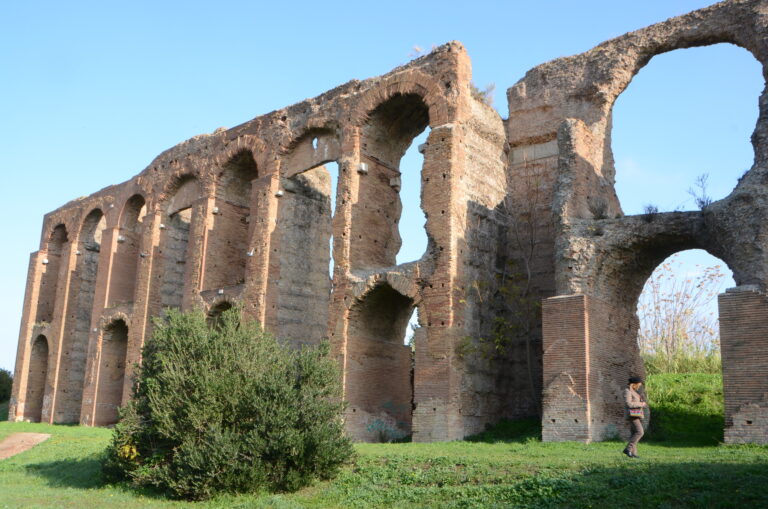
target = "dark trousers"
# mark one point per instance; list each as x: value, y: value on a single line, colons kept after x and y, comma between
x: 636, y: 427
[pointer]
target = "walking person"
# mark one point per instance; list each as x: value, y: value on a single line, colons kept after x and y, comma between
x: 635, y: 405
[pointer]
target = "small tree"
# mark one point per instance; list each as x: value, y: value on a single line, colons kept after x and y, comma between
x: 6, y: 383
x: 226, y: 408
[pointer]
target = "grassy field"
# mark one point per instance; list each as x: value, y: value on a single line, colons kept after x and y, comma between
x: 506, y: 467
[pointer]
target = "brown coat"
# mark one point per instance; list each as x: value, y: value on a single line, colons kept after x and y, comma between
x: 633, y: 399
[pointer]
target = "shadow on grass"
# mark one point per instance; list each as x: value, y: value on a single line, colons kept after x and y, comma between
x: 670, y: 427
x: 86, y: 474
x: 510, y: 431
x: 680, y: 428
x: 690, y: 484
x: 82, y: 473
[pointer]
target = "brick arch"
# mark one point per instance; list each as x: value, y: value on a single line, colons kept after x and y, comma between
x: 175, y: 182
x: 179, y: 210
x: 112, y: 368
x: 131, y: 212
x: 385, y: 134
x: 257, y: 147
x: 622, y: 75
x: 125, y: 261
x: 229, y: 220
x: 36, y: 379
x: 313, y: 128
x: 441, y: 111
x: 110, y: 318
x: 77, y: 330
x: 378, y: 383
x: 53, y: 251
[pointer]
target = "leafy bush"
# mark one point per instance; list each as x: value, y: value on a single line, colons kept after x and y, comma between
x: 226, y: 408
x: 6, y: 383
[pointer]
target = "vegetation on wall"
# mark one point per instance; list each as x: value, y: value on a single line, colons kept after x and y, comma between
x: 226, y: 408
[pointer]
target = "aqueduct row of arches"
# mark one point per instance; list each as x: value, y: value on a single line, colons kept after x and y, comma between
x: 244, y: 216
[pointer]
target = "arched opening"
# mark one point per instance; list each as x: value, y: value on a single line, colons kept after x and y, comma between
x: 688, y: 113
x: 214, y: 314
x: 227, y: 244
x: 126, y: 259
x: 75, y: 342
x: 38, y: 371
x: 109, y: 395
x: 305, y: 245
x: 679, y: 343
x: 174, y: 241
x: 390, y: 130
x: 379, y: 373
x: 50, y: 279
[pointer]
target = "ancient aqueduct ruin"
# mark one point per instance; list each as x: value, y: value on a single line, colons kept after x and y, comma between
x: 243, y: 215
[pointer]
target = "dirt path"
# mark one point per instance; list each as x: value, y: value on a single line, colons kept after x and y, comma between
x: 15, y: 443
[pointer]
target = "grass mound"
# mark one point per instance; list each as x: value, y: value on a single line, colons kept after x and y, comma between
x: 686, y: 408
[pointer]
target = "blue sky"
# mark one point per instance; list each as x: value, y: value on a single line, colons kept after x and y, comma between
x: 91, y: 92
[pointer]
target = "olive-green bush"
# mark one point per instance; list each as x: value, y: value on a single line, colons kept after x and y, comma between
x: 6, y: 383
x: 226, y: 408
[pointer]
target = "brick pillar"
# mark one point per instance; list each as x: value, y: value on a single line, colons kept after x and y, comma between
x: 195, y: 255
x: 565, y: 405
x: 26, y: 336
x: 57, y: 328
x: 142, y: 308
x: 263, y: 223
x: 744, y: 345
x: 101, y: 293
x: 590, y: 351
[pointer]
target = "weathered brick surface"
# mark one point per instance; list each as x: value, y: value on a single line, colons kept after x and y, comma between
x: 744, y: 345
x: 518, y: 211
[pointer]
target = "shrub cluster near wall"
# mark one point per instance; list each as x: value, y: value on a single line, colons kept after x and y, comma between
x: 223, y: 407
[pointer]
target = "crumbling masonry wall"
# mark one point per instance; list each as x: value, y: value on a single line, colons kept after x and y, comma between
x: 519, y: 211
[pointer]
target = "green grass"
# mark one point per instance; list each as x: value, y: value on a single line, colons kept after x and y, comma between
x: 507, y: 466
x: 686, y: 408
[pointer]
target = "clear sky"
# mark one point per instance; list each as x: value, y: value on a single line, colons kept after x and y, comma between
x: 91, y: 92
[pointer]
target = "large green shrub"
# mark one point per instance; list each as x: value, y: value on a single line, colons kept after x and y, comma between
x: 6, y: 383
x: 227, y: 408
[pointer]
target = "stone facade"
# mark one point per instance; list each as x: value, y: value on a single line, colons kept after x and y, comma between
x: 518, y: 211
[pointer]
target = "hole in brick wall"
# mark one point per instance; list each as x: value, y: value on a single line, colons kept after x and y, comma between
x: 389, y: 208
x: 214, y: 314
x: 661, y: 108
x: 412, y: 219
x: 314, y: 143
x: 749, y: 422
